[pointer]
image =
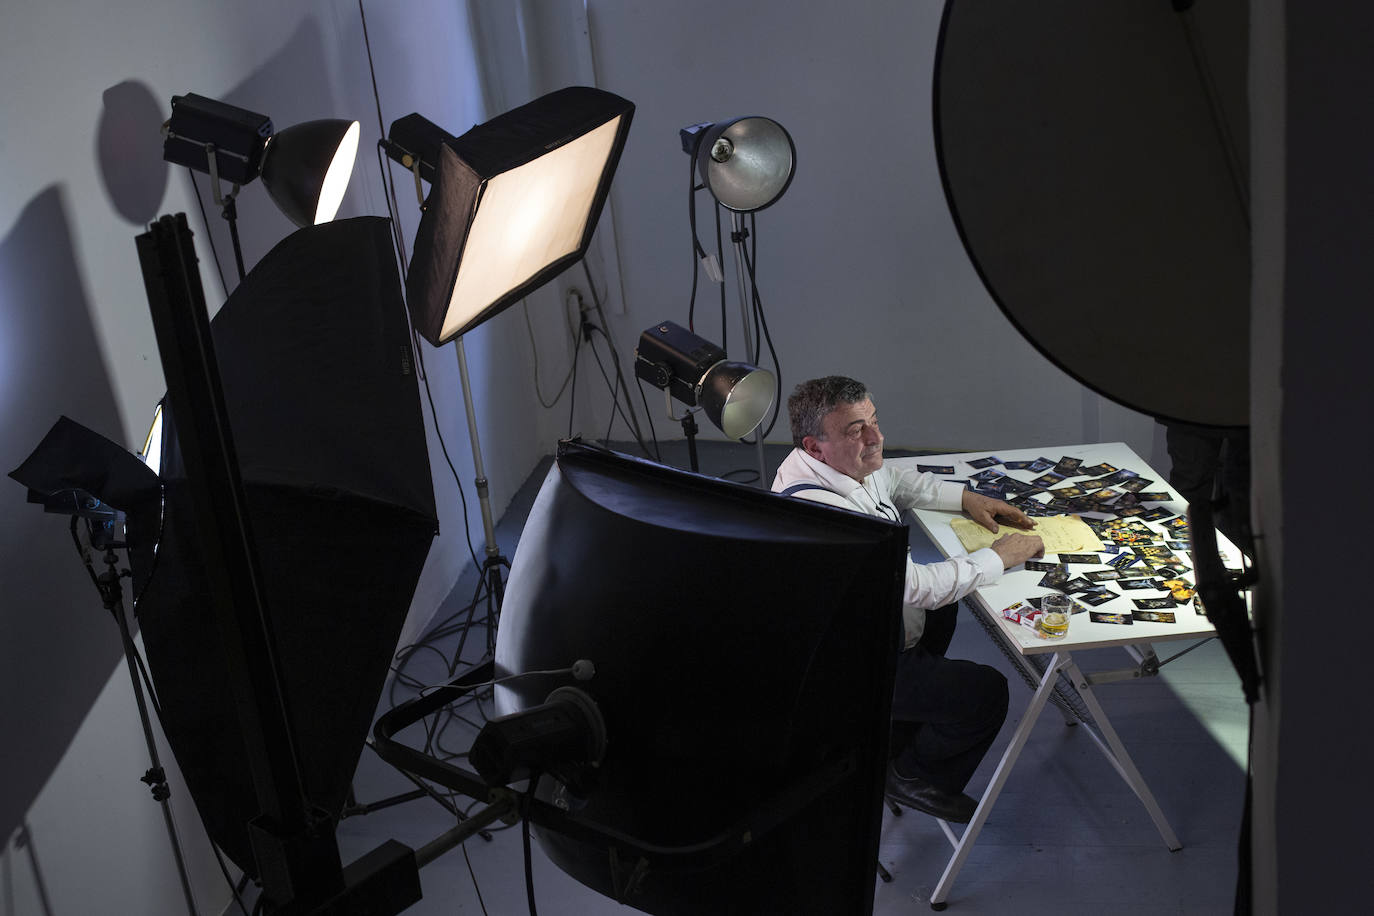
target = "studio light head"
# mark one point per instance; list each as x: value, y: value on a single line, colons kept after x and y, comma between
x: 305, y: 168
x: 746, y: 163
x: 735, y: 395
x: 512, y: 202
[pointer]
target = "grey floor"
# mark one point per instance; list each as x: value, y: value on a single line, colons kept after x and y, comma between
x: 1066, y: 836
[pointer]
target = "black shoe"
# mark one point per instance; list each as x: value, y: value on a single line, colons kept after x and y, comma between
x: 921, y: 795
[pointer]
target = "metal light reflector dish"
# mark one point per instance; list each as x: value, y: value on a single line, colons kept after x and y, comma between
x: 307, y: 167
x: 747, y: 163
x: 735, y: 395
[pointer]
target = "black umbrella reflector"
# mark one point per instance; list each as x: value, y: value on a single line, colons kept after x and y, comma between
x: 319, y: 385
x: 1092, y: 156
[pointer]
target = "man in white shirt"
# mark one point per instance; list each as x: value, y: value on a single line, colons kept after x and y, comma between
x: 946, y: 712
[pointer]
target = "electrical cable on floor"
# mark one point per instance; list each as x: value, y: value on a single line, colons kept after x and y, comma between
x: 473, y: 875
x: 436, y: 633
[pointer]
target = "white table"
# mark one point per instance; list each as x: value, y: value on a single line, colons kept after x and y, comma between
x: 1041, y: 660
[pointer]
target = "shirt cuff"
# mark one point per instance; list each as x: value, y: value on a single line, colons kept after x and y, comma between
x: 950, y: 497
x: 989, y: 565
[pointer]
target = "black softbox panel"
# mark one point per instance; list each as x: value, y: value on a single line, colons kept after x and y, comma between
x: 318, y: 377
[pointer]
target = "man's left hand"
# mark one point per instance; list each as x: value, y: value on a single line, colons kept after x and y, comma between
x: 985, y: 511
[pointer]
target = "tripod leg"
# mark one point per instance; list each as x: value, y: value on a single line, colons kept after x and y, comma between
x: 154, y: 777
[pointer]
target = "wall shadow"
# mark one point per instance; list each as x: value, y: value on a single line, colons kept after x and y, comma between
x: 129, y: 151
x: 57, y: 644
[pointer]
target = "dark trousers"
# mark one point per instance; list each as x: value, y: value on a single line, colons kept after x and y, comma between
x: 946, y: 712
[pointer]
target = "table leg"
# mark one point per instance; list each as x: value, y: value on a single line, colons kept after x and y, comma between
x: 1116, y: 754
x: 999, y: 778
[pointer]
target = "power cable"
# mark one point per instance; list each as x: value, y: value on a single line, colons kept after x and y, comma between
x: 534, y: 350
x: 205, y: 221
x: 525, y: 842
x: 761, y: 325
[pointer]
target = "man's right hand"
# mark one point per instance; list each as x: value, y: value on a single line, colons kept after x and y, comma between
x: 1015, y: 549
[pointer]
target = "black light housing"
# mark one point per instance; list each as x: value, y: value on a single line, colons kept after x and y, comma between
x: 512, y: 202
x: 305, y: 168
x: 736, y: 396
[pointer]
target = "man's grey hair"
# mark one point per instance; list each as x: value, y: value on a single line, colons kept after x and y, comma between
x: 813, y: 399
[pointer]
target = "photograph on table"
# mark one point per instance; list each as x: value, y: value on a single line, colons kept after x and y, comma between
x: 1098, y: 470
x: 1069, y: 466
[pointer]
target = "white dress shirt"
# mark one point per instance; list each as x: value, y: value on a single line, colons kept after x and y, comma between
x: 888, y: 493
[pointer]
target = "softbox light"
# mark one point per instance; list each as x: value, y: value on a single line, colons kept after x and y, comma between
x: 319, y: 385
x: 514, y: 201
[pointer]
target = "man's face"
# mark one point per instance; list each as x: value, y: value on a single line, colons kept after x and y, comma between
x: 852, y: 443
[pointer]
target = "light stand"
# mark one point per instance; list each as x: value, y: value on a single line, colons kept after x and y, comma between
x: 112, y: 597
x: 494, y: 561
x: 512, y: 203
x: 737, y: 236
x: 746, y: 164
x: 689, y: 428
x: 71, y: 453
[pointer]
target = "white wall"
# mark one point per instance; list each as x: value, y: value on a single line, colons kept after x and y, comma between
x: 860, y: 267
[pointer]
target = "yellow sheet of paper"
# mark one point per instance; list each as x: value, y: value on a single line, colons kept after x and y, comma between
x: 1061, y: 534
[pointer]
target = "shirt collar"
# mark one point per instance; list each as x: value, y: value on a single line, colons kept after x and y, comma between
x: 835, y: 481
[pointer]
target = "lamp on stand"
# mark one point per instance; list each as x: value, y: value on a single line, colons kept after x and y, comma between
x: 512, y: 203
x: 747, y: 164
x: 305, y: 167
x: 70, y: 453
x: 736, y: 396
